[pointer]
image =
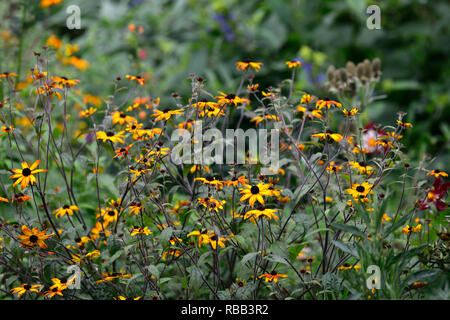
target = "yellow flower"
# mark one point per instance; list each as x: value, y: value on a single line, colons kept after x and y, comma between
x: 273, y: 276
x: 138, y: 230
x: 385, y: 218
x: 48, y: 3
x: 404, y: 124
x: 333, y: 167
x: 255, y: 193
x: 139, y: 79
x: 121, y: 118
x: 166, y: 114
x: 248, y: 63
x: 25, y: 176
x: 436, y: 173
x: 230, y: 99
x: 362, y: 167
x: 360, y: 190
x: 261, y: 213
x: 66, y: 209
x: 328, y: 135
x: 25, y: 288
x: 351, y: 112
x: 293, y: 64
x: 110, y: 136
x: 326, y: 102
x: 87, y: 113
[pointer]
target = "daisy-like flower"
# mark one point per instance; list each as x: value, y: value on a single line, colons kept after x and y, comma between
x: 87, y: 113
x: 135, y: 208
x: 139, y: 79
x: 33, y: 237
x: 49, y: 3
x: 212, y: 181
x: 328, y: 135
x: 235, y: 181
x: 121, y: 118
x: 20, y: 197
x: 404, y: 124
x: 310, y: 112
x: 293, y: 64
x: 212, y: 112
x: 63, y: 81
x: 350, y: 113
x: 347, y: 266
x: 385, y: 218
x: 436, y: 173
x: 7, y: 129
x: 125, y: 298
x: 212, y: 204
x: 25, y: 176
x: 197, y: 167
x: 248, y: 64
x: 327, y: 102
x: 253, y: 87
x: 60, y: 284
x: 166, y: 114
x: 138, y: 230
x: 265, y: 213
x: 203, y: 236
x: 255, y: 193
x: 122, y: 151
x: 8, y: 75
x: 24, y: 288
x: 108, y: 214
x: 362, y: 167
x: 409, y: 229
x: 110, y: 136
x: 109, y: 276
x: 259, y: 119
x: 360, y: 190
x: 52, y: 292
x: 99, y: 230
x: 175, y: 253
x: 273, y: 276
x: 333, y: 167
x: 230, y: 99
x: 65, y: 209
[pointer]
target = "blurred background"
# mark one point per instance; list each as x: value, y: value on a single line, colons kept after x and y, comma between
x: 165, y: 41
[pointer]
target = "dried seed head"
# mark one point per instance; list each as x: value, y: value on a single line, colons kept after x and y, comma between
x: 351, y: 68
x: 330, y: 73
x: 343, y: 75
x: 376, y: 65
x: 367, y: 68
x: 360, y: 70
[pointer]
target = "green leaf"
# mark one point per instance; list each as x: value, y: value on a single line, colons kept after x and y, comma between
x: 352, y: 229
x: 345, y: 247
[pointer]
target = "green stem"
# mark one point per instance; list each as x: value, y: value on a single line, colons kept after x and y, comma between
x: 19, y: 53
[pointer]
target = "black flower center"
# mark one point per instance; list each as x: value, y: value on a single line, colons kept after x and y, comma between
x: 26, y: 172
x: 34, y: 239
x: 360, y: 189
x: 210, y: 178
x: 111, y: 213
x: 27, y: 287
x: 66, y: 206
x: 230, y: 96
x: 123, y: 115
x: 110, y: 134
x: 274, y: 273
x: 437, y: 171
x: 254, y: 190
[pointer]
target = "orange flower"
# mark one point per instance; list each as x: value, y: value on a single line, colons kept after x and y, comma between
x: 33, y: 237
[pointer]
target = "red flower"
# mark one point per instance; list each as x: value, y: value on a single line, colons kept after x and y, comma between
x: 435, y: 195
